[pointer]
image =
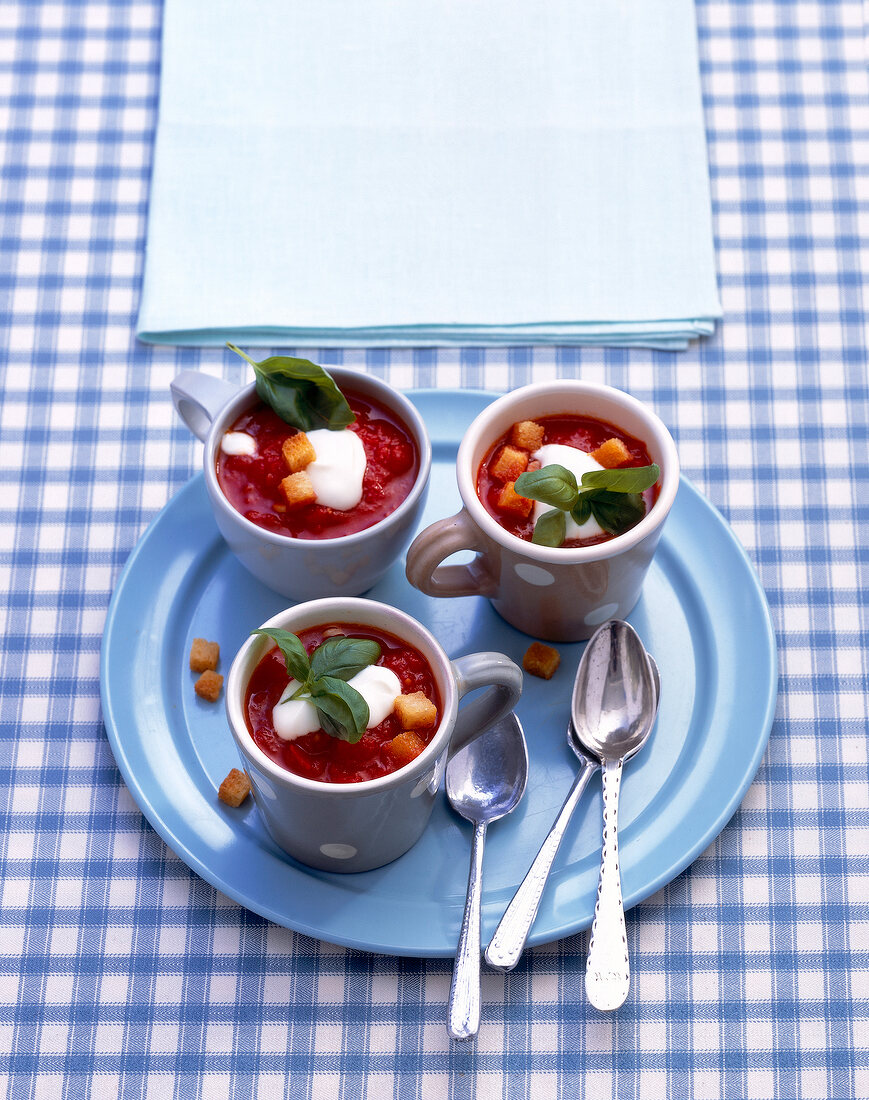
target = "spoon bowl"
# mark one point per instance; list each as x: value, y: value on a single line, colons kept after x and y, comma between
x: 576, y: 743
x: 485, y: 781
x: 614, y: 697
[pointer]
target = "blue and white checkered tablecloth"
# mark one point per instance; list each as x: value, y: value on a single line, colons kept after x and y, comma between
x: 121, y: 972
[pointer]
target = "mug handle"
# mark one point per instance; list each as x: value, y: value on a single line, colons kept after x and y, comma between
x: 503, y: 678
x: 431, y: 546
x: 199, y: 397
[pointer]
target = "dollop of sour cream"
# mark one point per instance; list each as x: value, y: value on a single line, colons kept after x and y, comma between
x: 238, y: 443
x: 337, y: 471
x: 579, y: 463
x: 378, y: 686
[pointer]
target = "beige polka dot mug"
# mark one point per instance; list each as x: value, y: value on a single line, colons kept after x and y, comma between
x: 553, y: 592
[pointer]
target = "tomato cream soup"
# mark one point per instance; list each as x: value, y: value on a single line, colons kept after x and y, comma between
x: 321, y: 484
x: 404, y: 711
x: 578, y: 443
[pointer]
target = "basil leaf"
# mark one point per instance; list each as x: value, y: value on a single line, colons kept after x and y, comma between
x: 342, y: 706
x: 353, y: 699
x: 549, y: 529
x: 336, y: 718
x: 617, y: 512
x: 298, y: 665
x: 344, y: 657
x: 300, y: 392
x: 581, y: 511
x: 553, y: 485
x: 634, y: 479
x: 330, y: 727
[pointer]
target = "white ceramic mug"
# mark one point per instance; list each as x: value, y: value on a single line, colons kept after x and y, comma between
x: 359, y: 826
x: 557, y: 593
x: 303, y: 569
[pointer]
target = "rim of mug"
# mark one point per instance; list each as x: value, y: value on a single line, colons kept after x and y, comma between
x: 409, y: 413
x: 467, y: 464
x: 334, y: 609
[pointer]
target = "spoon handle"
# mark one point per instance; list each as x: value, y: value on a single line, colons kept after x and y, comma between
x: 607, y: 972
x: 508, y: 942
x: 463, y: 1020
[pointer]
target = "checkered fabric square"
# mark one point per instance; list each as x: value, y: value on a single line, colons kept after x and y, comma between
x: 122, y: 974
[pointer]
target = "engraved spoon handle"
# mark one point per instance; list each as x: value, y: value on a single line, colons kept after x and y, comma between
x: 510, y: 936
x: 463, y: 1020
x: 607, y: 973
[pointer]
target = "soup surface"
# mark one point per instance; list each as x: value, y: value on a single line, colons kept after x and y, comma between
x: 583, y: 433
x: 318, y: 755
x: 252, y: 482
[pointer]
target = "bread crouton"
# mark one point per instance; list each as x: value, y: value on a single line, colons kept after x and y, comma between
x: 509, y: 464
x: 541, y: 660
x: 612, y: 453
x: 234, y: 789
x: 405, y: 747
x: 298, y: 452
x: 416, y: 711
x: 298, y: 490
x: 208, y: 686
x: 203, y: 655
x: 527, y: 434
x: 508, y: 500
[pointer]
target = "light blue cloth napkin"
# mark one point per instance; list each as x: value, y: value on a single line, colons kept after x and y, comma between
x: 429, y: 172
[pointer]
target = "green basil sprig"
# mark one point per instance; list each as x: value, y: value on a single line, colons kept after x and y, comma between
x: 300, y: 392
x: 323, y: 677
x: 611, y: 496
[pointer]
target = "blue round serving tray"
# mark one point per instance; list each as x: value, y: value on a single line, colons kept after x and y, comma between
x: 703, y: 616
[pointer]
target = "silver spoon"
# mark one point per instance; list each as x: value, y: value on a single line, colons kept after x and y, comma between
x: 485, y: 781
x: 511, y: 935
x: 618, y: 690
